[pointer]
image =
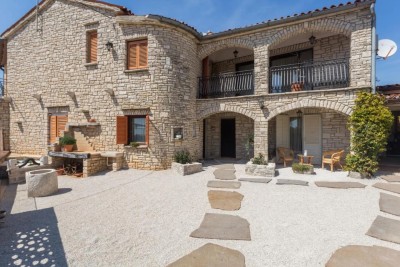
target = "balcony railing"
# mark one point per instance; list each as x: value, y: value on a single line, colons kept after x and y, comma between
x: 309, y: 76
x: 226, y: 85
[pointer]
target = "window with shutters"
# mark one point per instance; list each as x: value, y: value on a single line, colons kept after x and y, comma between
x: 91, y: 47
x: 133, y: 129
x: 137, y: 54
x: 57, y: 125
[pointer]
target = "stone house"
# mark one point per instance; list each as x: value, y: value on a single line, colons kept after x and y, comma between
x: 109, y: 77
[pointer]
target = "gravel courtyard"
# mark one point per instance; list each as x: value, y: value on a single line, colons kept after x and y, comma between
x: 144, y: 218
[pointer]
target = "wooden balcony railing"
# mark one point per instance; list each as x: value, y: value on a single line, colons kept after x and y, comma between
x: 226, y: 85
x: 309, y: 76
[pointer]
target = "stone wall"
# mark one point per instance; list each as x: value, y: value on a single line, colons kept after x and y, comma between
x: 94, y: 165
x: 5, y: 123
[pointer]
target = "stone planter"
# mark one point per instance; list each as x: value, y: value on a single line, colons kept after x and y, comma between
x: 260, y: 170
x: 310, y: 171
x: 358, y: 175
x: 41, y: 183
x: 186, y: 169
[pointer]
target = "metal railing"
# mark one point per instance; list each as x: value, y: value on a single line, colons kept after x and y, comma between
x: 226, y: 85
x: 309, y: 76
x: 1, y: 87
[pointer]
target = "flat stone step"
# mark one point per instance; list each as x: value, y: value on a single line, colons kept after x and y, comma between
x: 211, y: 255
x: 385, y: 229
x: 340, y: 185
x: 223, y: 227
x: 256, y: 180
x: 391, y: 178
x: 395, y: 188
x: 225, y: 200
x: 389, y: 204
x: 364, y: 256
x: 222, y: 174
x: 224, y: 184
x: 291, y: 182
x: 226, y: 166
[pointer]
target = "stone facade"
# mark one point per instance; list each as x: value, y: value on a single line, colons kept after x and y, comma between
x: 166, y: 90
x: 5, y: 124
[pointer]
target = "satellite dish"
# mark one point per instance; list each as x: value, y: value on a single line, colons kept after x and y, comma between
x: 386, y: 48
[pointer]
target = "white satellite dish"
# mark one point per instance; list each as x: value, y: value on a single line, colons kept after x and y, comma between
x: 386, y: 48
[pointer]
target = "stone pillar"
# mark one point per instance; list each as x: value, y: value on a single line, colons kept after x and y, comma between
x: 261, y: 137
x: 360, y: 58
x: 261, y: 68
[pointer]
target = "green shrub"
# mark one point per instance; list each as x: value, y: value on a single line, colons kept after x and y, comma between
x: 182, y: 157
x: 134, y: 144
x: 259, y: 160
x: 370, y: 126
x: 302, y: 168
x: 67, y: 140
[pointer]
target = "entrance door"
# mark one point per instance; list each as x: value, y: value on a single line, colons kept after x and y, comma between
x: 228, y: 138
x: 313, y: 137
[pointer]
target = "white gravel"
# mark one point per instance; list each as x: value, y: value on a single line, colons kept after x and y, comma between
x: 143, y: 218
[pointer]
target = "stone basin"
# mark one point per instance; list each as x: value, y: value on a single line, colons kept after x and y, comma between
x: 112, y: 154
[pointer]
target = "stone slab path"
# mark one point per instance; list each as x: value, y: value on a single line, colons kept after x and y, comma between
x: 363, y: 256
x: 226, y: 166
x: 256, y: 180
x: 385, y: 229
x: 223, y: 184
x: 391, y: 178
x: 389, y: 204
x: 222, y: 174
x: 211, y: 255
x: 224, y: 227
x: 395, y: 188
x: 291, y: 182
x: 225, y: 200
x: 340, y: 185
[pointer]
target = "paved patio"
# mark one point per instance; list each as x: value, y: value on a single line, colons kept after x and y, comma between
x: 143, y: 218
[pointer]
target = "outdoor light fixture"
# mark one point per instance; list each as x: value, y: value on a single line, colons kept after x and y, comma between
x: 37, y: 96
x: 109, y: 91
x: 299, y: 113
x: 235, y: 53
x: 109, y: 46
x: 71, y: 94
x: 312, y: 40
x: 261, y: 103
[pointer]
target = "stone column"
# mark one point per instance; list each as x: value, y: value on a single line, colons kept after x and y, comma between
x: 261, y: 68
x: 261, y: 137
x: 360, y: 58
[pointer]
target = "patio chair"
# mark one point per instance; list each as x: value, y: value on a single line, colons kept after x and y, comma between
x: 332, y: 157
x: 285, y: 154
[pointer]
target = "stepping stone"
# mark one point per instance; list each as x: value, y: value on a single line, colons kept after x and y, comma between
x: 221, y: 184
x: 291, y: 182
x: 390, y: 204
x: 385, y: 229
x: 223, y: 227
x: 225, y: 167
x: 211, y: 255
x: 395, y: 188
x: 222, y: 174
x: 225, y: 200
x: 391, y: 178
x: 364, y: 256
x: 256, y: 180
x: 340, y: 185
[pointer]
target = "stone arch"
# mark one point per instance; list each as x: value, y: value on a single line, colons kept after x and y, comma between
x: 208, y: 49
x: 306, y: 103
x: 218, y: 108
x: 324, y: 25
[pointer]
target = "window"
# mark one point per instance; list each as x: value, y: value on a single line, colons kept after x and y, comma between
x: 56, y: 126
x: 137, y: 54
x: 91, y: 47
x: 296, y: 134
x: 133, y: 129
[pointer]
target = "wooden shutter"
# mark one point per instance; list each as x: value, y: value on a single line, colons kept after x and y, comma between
x: 142, y: 55
x: 132, y: 55
x: 283, y: 131
x: 137, y: 54
x: 122, y: 130
x: 61, y: 123
x: 92, y: 49
x: 52, y: 128
x: 147, y: 129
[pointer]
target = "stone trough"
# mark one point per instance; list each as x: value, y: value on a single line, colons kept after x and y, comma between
x: 42, y: 183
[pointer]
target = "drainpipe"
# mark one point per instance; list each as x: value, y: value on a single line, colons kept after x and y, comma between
x: 374, y: 49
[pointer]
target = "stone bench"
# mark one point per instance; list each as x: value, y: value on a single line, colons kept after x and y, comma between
x: 41, y: 183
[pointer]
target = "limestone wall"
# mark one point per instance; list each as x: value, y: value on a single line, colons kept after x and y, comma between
x: 5, y: 124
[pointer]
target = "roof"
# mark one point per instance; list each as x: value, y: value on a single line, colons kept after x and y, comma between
x: 391, y: 92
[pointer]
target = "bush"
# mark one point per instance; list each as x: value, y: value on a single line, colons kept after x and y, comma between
x: 302, y: 168
x: 134, y: 144
x: 259, y: 160
x: 370, y: 126
x: 67, y: 140
x: 183, y: 157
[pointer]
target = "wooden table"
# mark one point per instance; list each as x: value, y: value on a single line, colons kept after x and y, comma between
x: 305, y: 159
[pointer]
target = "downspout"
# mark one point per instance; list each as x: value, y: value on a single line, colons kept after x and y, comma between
x: 374, y: 49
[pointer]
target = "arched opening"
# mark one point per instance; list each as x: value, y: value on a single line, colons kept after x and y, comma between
x: 227, y: 72
x: 309, y: 60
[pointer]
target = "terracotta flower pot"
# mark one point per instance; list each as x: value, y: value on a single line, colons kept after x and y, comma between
x: 68, y: 148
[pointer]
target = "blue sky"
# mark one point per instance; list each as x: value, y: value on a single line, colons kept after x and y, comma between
x: 218, y: 15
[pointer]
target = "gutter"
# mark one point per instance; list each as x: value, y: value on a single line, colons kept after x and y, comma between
x: 374, y: 49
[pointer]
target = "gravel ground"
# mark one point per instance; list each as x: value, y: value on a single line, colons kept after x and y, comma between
x: 143, y: 218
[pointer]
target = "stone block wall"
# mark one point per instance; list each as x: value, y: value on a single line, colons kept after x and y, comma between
x: 5, y: 123
x: 94, y: 165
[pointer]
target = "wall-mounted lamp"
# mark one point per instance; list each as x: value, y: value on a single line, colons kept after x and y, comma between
x: 37, y: 96
x: 299, y: 113
x: 109, y: 46
x: 71, y: 94
x: 261, y: 103
x: 235, y: 53
x: 312, y: 40
x: 109, y: 91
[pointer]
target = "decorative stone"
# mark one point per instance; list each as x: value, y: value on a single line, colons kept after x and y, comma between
x: 291, y: 182
x: 225, y: 200
x: 256, y: 180
x: 357, y: 175
x: 186, y: 169
x: 224, y: 174
x: 391, y: 178
x: 395, y: 188
x: 260, y: 170
x: 340, y: 185
x: 389, y: 204
x: 42, y: 183
x: 385, y: 229
x: 222, y: 184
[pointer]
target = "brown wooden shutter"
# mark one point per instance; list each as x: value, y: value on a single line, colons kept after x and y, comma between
x: 61, y: 123
x: 92, y: 57
x: 52, y: 129
x: 142, y: 55
x: 132, y: 55
x: 147, y: 129
x: 137, y: 54
x: 122, y: 130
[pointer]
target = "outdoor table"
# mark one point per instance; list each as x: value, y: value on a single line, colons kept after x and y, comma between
x: 305, y: 159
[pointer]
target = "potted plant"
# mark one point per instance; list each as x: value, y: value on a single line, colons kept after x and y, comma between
x: 298, y: 86
x: 259, y: 166
x: 134, y: 144
x: 67, y: 142
x: 303, y: 168
x: 183, y: 163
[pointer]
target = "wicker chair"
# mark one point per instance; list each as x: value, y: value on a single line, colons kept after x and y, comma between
x: 332, y: 157
x: 285, y: 154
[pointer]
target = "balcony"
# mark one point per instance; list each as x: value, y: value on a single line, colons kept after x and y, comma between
x: 309, y: 76
x: 226, y: 85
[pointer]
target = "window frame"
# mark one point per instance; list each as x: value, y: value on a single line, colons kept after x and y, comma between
x: 137, y: 65
x: 130, y: 130
x: 89, y: 35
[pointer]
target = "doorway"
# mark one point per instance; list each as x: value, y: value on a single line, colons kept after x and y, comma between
x: 228, y: 138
